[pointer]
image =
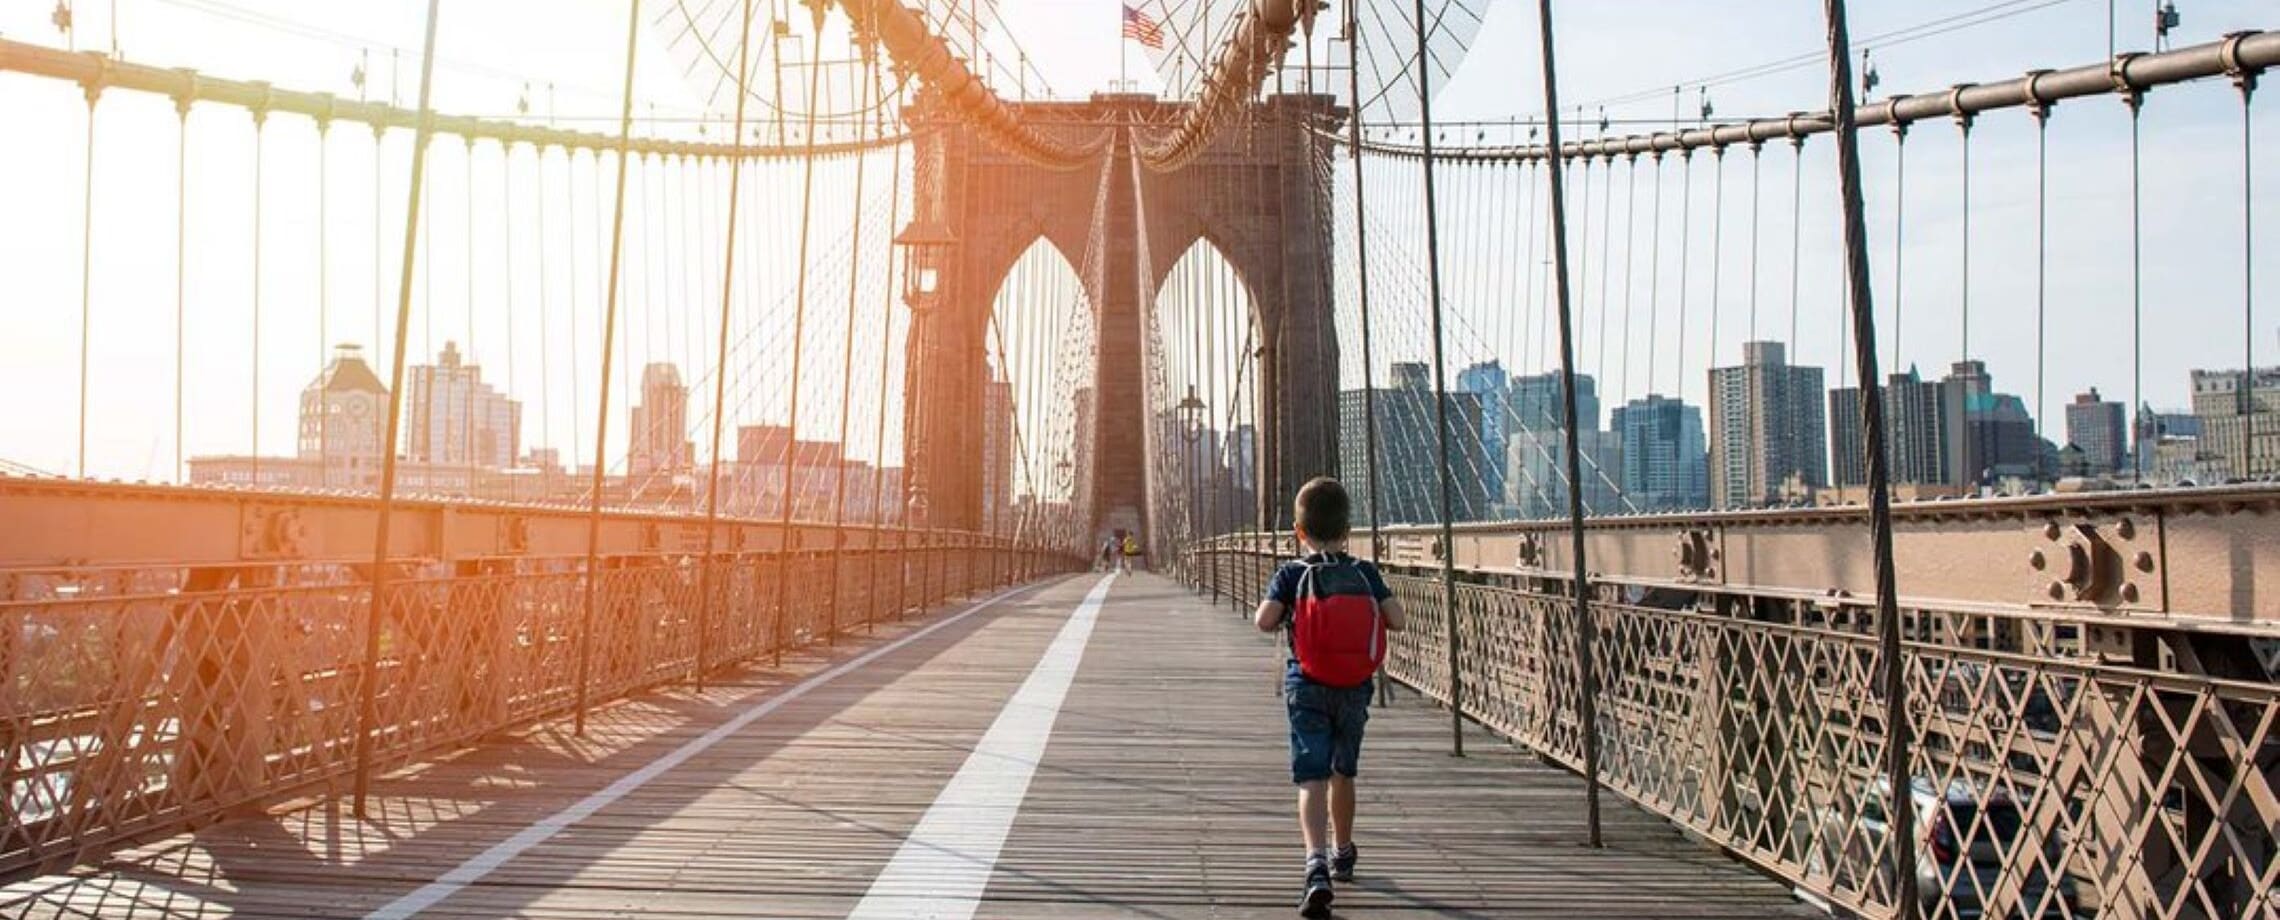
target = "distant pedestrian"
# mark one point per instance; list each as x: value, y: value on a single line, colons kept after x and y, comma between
x: 1131, y: 548
x: 1108, y: 554
x: 1337, y: 610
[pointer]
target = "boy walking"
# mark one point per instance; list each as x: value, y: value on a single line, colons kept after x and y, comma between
x: 1337, y: 609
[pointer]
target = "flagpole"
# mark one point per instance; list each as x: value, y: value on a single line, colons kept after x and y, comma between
x: 1123, y: 80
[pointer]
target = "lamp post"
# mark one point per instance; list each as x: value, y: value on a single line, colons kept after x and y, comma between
x: 926, y: 244
x: 1192, y: 415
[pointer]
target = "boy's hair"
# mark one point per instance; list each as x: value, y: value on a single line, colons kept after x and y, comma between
x: 1324, y: 512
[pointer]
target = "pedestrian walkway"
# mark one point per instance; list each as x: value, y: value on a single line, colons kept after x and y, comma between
x: 1095, y: 746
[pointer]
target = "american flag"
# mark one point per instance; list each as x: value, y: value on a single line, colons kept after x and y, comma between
x: 1140, y: 28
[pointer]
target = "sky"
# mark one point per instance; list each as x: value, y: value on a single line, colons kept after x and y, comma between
x: 563, y: 58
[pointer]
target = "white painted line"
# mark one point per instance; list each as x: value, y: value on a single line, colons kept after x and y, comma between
x: 484, y: 863
x: 946, y: 862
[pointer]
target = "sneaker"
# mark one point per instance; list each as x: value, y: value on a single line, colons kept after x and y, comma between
x: 1342, y: 866
x: 1315, y: 902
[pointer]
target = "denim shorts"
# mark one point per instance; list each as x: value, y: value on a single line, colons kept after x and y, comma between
x: 1325, y: 728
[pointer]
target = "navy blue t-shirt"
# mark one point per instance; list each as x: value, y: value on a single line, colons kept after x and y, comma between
x: 1336, y: 573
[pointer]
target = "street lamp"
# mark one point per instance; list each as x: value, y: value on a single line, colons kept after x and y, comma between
x: 1193, y: 415
x: 1191, y: 412
x: 926, y: 246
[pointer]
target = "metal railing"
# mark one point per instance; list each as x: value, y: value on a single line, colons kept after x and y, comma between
x: 139, y: 698
x: 2055, y: 784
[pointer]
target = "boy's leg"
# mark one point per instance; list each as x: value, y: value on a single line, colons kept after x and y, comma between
x: 1314, y: 807
x: 1310, y: 771
x: 1341, y: 810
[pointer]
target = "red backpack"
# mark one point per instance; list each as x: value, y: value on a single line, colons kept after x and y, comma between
x: 1336, y: 631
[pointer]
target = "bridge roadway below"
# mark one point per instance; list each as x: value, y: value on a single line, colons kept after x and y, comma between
x: 900, y: 775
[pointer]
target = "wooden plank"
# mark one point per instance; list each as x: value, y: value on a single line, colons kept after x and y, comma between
x: 1164, y: 793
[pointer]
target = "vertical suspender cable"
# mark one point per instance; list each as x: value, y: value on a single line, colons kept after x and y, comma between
x: 1654, y: 276
x: 379, y: 158
x: 1440, y: 392
x: 1606, y: 224
x: 507, y: 290
x: 1362, y: 275
x: 368, y: 677
x: 1796, y: 232
x: 602, y: 412
x: 2041, y: 112
x: 181, y: 246
x: 94, y: 92
x: 789, y: 498
x: 545, y: 342
x: 2135, y: 100
x: 1717, y: 262
x: 1630, y: 253
x: 260, y: 144
x: 467, y: 401
x: 2245, y: 80
x: 1587, y: 703
x: 879, y: 515
x: 324, y: 286
x: 847, y: 380
x: 1899, y: 234
x: 1893, y: 669
x: 1757, y: 161
x: 1963, y: 126
x: 706, y: 600
x: 1685, y: 239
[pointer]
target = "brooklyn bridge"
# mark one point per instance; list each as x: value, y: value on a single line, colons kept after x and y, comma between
x: 681, y: 457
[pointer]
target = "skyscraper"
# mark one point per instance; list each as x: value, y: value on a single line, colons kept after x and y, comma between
x: 458, y: 420
x: 344, y: 413
x: 661, y: 447
x: 1991, y: 435
x: 1661, y: 456
x: 2097, y: 428
x: 2231, y: 406
x: 1915, y: 433
x: 1408, y: 455
x: 1766, y: 425
x: 997, y: 452
x: 1538, y: 404
x: 1487, y: 382
x: 1538, y: 487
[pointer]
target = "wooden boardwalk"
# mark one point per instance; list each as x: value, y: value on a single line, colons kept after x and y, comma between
x: 1163, y: 792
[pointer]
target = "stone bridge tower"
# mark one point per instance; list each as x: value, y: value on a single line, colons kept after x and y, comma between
x: 1259, y: 194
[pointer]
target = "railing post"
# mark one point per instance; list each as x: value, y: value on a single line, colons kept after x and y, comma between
x: 1587, y: 677
x: 1893, y: 668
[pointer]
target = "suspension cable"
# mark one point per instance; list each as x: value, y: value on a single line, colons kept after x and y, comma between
x: 324, y: 287
x: 1963, y: 127
x: 1899, y: 241
x: 1757, y: 160
x: 260, y: 144
x: 368, y: 679
x: 846, y: 380
x: 2041, y: 112
x: 181, y: 263
x: 602, y: 412
x: 1587, y: 704
x: 93, y: 92
x: 1796, y: 233
x: 2245, y: 81
x: 1717, y: 252
x: 799, y: 348
x: 2135, y: 101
